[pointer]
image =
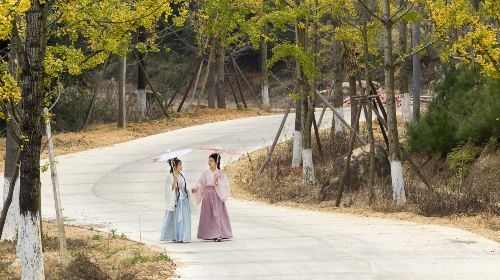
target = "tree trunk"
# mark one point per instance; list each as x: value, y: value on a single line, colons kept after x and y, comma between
x: 33, y: 93
x: 12, y: 219
x: 297, y: 133
x: 416, y: 74
x: 307, y: 116
x: 141, y: 71
x: 265, y: 80
x: 141, y: 97
x: 205, y: 79
x: 122, y: 104
x: 403, y: 70
x: 338, y: 76
x: 219, y: 81
x: 307, y: 113
x: 394, y: 151
x: 368, y: 113
x: 297, y: 137
x: 211, y: 87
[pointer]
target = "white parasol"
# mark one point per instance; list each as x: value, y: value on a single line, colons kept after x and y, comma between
x: 170, y: 155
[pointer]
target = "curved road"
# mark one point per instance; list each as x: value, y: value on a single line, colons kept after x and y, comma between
x: 120, y: 188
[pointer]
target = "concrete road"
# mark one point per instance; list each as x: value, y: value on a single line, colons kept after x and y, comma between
x: 120, y: 188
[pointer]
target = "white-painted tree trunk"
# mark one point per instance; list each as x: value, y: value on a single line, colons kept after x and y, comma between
x: 12, y: 219
x: 339, y: 126
x: 141, y: 102
x: 265, y: 97
x: 405, y: 108
x: 297, y: 147
x: 308, y: 166
x: 398, y: 187
x: 122, y: 95
x: 30, y: 247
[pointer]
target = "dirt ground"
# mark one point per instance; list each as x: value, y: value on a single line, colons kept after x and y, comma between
x: 92, y: 255
x: 70, y: 142
x: 241, y: 174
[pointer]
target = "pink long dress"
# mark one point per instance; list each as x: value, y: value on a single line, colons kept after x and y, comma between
x: 214, y: 220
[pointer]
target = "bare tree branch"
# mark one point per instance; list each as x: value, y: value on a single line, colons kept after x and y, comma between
x: 370, y: 11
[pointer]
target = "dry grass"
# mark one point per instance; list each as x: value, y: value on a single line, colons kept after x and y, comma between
x: 70, y: 142
x: 474, y: 208
x: 93, y: 255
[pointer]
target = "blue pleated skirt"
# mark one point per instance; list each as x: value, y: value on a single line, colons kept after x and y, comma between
x: 175, y: 229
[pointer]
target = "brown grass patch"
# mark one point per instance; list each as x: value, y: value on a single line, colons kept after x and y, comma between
x: 93, y: 255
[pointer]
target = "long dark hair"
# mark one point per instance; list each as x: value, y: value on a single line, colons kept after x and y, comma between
x: 173, y: 163
x: 216, y: 158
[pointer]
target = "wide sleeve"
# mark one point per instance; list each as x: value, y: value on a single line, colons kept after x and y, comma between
x: 193, y: 201
x: 169, y: 194
x: 222, y: 186
x: 200, y: 187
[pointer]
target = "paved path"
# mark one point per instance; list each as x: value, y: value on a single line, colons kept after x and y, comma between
x: 119, y: 188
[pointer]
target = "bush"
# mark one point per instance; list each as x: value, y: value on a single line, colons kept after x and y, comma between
x: 434, y: 133
x: 69, y: 112
x: 83, y: 268
x: 466, y: 109
x: 461, y: 160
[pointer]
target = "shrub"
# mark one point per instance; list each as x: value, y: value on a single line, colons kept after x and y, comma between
x: 466, y: 109
x: 83, y: 268
x: 461, y: 160
x: 434, y: 133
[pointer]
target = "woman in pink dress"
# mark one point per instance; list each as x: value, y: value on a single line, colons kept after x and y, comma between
x: 212, y: 191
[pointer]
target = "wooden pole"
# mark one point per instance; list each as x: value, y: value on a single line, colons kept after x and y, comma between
x: 239, y: 86
x: 371, y: 166
x: 349, y: 154
x: 341, y: 118
x: 380, y: 121
x: 55, y: 189
x: 155, y: 93
x: 322, y: 115
x: 194, y: 88
x: 179, y: 84
x: 245, y: 79
x: 205, y: 79
x: 232, y: 88
x: 188, y: 88
x: 276, y: 138
x: 318, y: 139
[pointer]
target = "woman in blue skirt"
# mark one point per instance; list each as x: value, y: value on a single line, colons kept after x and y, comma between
x: 177, y: 222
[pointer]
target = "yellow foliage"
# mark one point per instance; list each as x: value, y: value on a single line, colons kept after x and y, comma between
x: 8, y: 9
x: 9, y: 89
